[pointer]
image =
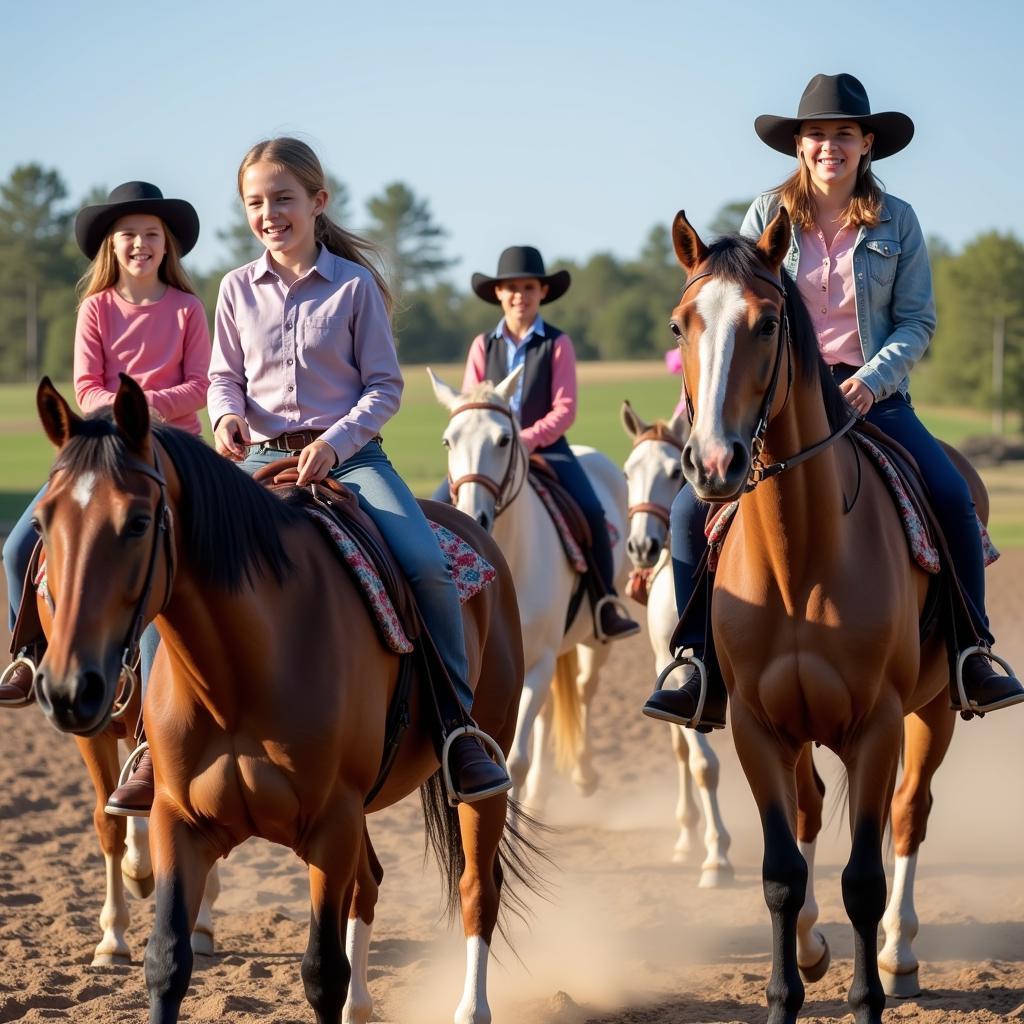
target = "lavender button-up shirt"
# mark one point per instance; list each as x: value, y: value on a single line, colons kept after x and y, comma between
x: 318, y: 355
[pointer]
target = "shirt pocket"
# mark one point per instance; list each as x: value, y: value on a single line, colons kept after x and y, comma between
x: 323, y: 333
x: 883, y: 255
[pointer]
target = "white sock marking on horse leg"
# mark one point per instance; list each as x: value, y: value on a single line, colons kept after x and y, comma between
x: 809, y: 944
x: 359, y: 1005
x: 114, y: 917
x: 136, y: 862
x: 474, y: 1008
x: 900, y: 920
x: 705, y: 771
x: 82, y: 491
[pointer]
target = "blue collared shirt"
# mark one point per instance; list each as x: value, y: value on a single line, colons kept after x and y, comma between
x: 515, y: 352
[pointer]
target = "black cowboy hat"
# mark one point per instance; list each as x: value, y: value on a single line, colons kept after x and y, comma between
x: 834, y: 98
x: 93, y: 222
x: 519, y: 261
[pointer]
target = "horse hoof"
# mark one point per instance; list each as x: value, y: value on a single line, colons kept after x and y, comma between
x: 900, y: 986
x: 817, y: 971
x: 140, y: 888
x: 112, y: 960
x: 716, y: 877
x: 202, y: 943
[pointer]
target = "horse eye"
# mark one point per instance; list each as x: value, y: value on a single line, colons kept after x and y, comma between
x: 138, y: 525
x: 769, y: 328
x: 36, y: 525
x: 504, y: 440
x: 446, y: 442
x: 675, y: 328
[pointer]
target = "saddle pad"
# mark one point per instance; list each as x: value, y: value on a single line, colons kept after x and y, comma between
x: 922, y: 547
x: 572, y: 549
x: 470, y: 572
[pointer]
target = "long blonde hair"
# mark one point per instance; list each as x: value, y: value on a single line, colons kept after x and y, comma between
x: 864, y: 209
x: 298, y: 158
x: 104, y: 270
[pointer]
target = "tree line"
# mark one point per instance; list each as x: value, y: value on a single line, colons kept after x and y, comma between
x: 617, y: 308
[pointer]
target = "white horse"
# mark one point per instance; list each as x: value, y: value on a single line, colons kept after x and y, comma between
x: 653, y: 477
x: 487, y: 464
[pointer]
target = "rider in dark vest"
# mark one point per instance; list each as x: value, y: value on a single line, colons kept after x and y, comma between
x: 545, y: 402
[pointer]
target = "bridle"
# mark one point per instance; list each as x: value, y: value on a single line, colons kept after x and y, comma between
x: 758, y: 470
x: 660, y: 434
x: 507, y: 490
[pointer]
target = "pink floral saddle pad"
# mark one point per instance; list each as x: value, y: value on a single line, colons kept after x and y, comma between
x: 919, y: 540
x: 570, y: 545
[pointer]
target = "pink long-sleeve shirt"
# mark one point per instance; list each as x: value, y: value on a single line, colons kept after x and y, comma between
x: 826, y: 283
x: 315, y: 355
x: 164, y: 345
x: 553, y: 425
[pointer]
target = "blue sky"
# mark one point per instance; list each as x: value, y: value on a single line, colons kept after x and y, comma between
x: 575, y: 126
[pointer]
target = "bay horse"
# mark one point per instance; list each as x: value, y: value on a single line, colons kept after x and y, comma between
x: 653, y: 477
x: 816, y: 611
x: 487, y: 463
x: 268, y: 714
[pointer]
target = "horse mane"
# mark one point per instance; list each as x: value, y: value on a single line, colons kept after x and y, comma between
x: 736, y: 258
x: 230, y: 525
x: 484, y: 391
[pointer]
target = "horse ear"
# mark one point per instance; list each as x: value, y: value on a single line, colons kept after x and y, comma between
x: 690, y: 250
x: 507, y: 388
x: 446, y: 395
x: 131, y: 414
x: 633, y: 424
x: 59, y: 422
x: 774, y: 243
x: 680, y: 426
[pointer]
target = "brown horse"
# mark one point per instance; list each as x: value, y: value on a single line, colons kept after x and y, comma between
x: 815, y: 614
x: 269, y: 714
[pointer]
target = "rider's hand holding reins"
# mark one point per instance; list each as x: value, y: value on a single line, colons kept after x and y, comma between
x: 316, y: 460
x: 231, y: 437
x: 858, y: 395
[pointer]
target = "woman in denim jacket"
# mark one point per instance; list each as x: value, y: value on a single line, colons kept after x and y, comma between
x: 859, y: 260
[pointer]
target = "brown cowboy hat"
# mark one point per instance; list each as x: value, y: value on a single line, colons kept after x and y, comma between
x: 516, y: 262
x: 93, y: 222
x: 837, y: 98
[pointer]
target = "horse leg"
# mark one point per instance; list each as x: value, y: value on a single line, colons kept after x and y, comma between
x: 871, y: 767
x: 100, y: 756
x: 182, y: 860
x: 333, y: 857
x: 137, y: 864
x: 716, y: 869
x: 482, y: 825
x: 589, y: 661
x: 812, y: 952
x: 927, y: 735
x: 769, y: 768
x: 202, y: 932
x: 369, y: 874
x: 535, y: 692
x: 687, y: 814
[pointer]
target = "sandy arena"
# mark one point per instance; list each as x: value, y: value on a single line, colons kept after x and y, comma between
x: 625, y: 937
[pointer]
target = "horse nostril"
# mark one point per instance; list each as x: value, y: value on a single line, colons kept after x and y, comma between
x: 91, y: 695
x: 484, y: 520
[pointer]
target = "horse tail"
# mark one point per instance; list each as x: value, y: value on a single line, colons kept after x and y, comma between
x: 520, y: 852
x: 567, y: 726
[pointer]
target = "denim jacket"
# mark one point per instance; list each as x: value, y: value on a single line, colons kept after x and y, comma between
x: 894, y: 299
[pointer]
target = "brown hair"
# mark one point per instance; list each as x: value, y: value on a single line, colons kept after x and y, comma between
x: 863, y: 210
x: 104, y: 269
x: 298, y: 158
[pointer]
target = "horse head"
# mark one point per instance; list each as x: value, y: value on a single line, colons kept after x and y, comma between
x: 487, y: 461
x: 729, y: 324
x: 653, y: 477
x: 104, y: 525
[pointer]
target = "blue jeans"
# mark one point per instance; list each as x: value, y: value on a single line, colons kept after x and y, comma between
x: 951, y: 500
x: 18, y: 552
x: 386, y: 498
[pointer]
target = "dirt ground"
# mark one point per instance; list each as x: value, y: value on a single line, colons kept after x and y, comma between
x: 625, y: 936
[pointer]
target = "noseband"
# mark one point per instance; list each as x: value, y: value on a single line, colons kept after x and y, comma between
x: 661, y: 435
x: 509, y: 482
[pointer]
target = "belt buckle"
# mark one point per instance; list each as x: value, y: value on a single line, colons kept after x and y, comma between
x: 289, y: 446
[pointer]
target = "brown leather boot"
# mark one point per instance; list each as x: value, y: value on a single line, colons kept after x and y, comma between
x: 680, y: 706
x: 16, y: 689
x: 474, y: 775
x: 134, y: 798
x: 987, y: 689
x: 614, y: 623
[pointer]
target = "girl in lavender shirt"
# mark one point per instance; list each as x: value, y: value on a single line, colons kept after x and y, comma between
x: 304, y: 364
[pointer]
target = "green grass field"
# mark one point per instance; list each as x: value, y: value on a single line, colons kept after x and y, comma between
x: 413, y: 438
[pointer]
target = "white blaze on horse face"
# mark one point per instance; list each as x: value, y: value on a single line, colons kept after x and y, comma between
x: 84, y: 486
x: 722, y: 307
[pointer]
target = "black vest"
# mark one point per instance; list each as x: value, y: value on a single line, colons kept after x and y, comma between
x: 537, y: 395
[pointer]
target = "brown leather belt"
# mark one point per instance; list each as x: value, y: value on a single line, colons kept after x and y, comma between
x: 293, y: 442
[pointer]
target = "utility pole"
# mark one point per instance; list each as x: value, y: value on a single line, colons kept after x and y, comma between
x: 998, y: 353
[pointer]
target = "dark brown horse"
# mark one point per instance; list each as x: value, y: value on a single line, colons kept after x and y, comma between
x: 272, y: 687
x: 815, y: 614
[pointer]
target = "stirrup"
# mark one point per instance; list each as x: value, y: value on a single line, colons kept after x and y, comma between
x: 679, y: 661
x: 617, y: 602
x: 22, y: 659
x: 129, y: 682
x: 968, y: 708
x: 468, y: 730
x: 132, y: 763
